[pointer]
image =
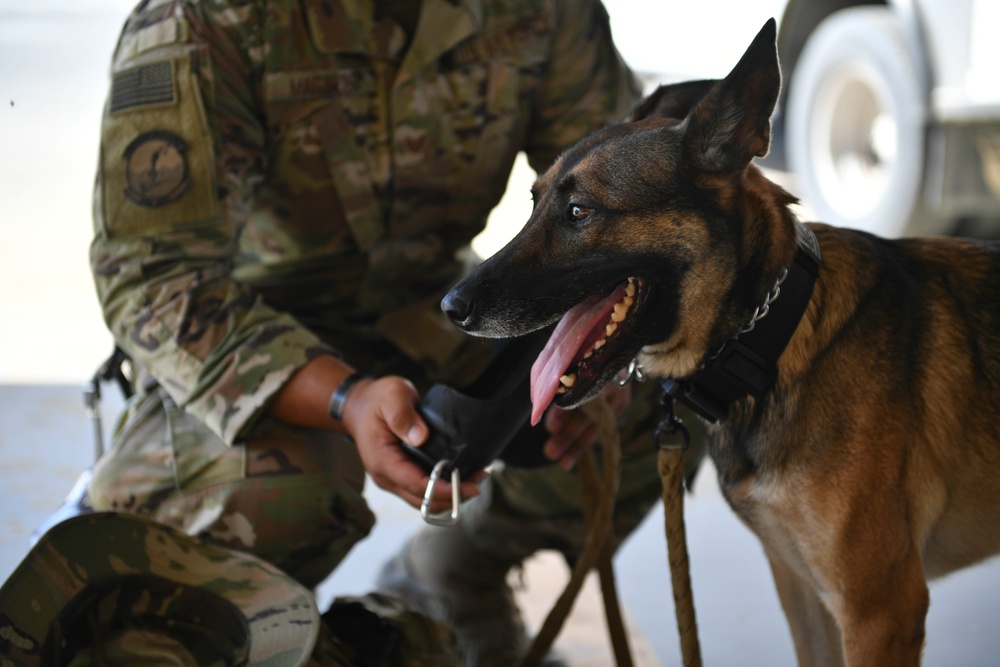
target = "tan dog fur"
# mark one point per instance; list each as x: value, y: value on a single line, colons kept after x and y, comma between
x: 873, y: 463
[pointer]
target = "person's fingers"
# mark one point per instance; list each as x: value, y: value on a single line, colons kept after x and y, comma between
x: 379, y: 415
x: 617, y: 396
x: 576, y: 434
x: 571, y: 456
x: 556, y: 418
x: 398, y: 410
x: 567, y: 428
x: 572, y: 431
x: 476, y: 478
x: 391, y: 470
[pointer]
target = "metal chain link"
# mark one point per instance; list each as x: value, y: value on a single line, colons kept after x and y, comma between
x: 634, y: 369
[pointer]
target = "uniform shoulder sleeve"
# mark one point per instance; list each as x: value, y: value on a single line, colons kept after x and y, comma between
x: 182, y: 151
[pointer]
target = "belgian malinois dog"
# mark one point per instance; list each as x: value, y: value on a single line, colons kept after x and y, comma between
x: 857, y: 436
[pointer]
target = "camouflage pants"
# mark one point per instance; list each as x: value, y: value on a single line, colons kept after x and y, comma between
x: 293, y: 496
x: 289, y: 495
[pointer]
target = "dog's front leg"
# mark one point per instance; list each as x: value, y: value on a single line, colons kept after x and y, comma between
x: 882, y: 611
x: 877, y: 616
x: 844, y: 551
x: 875, y: 582
x: 814, y: 630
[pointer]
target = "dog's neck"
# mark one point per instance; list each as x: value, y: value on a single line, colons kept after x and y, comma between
x: 747, y: 364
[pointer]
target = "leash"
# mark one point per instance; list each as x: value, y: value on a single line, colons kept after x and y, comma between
x: 599, y: 498
x: 605, y: 569
x: 598, y: 549
x: 672, y: 440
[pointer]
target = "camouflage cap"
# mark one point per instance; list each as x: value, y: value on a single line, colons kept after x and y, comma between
x: 112, y: 589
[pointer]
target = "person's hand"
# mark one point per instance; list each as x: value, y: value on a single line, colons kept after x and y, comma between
x: 572, y: 432
x: 379, y: 414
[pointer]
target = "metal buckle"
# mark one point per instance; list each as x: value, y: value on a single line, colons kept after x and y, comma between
x: 445, y: 518
x: 671, y: 433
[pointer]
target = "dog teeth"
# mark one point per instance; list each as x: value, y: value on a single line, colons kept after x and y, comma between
x: 568, y: 380
x: 619, y: 314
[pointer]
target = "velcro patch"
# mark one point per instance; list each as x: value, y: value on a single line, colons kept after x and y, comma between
x: 282, y: 86
x: 158, y: 164
x: 144, y: 86
x: 510, y: 40
x: 156, y: 171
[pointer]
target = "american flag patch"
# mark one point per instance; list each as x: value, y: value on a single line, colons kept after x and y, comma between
x: 143, y: 86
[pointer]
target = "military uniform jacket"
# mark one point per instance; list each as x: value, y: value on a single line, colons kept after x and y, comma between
x: 283, y: 178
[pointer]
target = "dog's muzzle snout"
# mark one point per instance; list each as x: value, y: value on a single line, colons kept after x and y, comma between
x: 458, y: 308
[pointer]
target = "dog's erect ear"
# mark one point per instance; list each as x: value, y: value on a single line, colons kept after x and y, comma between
x: 671, y: 101
x: 732, y: 123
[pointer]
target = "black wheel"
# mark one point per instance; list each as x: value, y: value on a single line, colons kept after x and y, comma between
x: 855, y: 123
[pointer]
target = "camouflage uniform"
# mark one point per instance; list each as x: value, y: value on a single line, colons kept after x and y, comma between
x: 153, y: 595
x: 289, y: 178
x: 71, y: 604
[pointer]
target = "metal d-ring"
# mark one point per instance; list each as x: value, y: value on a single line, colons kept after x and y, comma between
x: 632, y: 371
x: 444, y: 518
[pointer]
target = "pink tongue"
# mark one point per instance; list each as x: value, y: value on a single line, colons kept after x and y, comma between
x: 564, y: 345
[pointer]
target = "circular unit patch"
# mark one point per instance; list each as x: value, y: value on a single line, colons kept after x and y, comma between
x: 156, y: 170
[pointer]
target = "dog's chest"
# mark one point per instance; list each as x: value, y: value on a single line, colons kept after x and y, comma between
x: 760, y: 485
x: 775, y: 509
x: 762, y: 501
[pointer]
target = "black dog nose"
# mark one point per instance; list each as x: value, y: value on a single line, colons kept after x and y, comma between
x: 458, y: 308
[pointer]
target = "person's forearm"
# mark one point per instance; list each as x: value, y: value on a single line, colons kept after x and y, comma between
x: 305, y: 398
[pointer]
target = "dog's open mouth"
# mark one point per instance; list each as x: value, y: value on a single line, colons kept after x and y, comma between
x: 581, y: 345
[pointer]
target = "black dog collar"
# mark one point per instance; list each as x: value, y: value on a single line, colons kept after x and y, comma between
x: 748, y: 363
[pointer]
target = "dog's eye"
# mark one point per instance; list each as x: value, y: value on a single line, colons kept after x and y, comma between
x: 577, y: 213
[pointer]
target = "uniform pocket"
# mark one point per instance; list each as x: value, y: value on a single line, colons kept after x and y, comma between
x: 481, y: 121
x: 136, y: 473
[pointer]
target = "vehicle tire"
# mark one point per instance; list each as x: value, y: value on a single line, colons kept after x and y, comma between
x: 855, y: 123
